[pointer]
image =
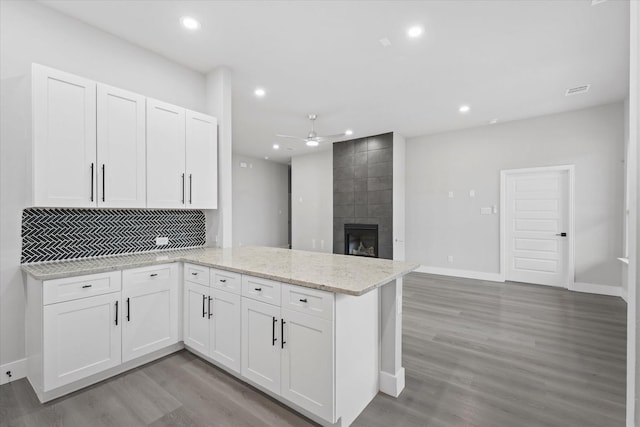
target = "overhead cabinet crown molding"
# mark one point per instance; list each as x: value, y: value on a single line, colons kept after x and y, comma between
x: 99, y: 146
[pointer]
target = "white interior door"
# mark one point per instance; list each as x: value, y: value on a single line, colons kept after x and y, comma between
x: 537, y: 227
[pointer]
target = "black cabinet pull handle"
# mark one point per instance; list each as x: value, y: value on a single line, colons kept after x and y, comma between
x: 86, y: 286
x: 190, y: 187
x: 303, y: 300
x: 282, y: 341
x: 92, y: 182
x: 223, y: 280
x: 273, y: 332
x: 204, y: 299
x: 103, y: 182
x: 128, y: 310
x: 183, y: 188
x: 153, y: 274
x: 209, y: 308
x: 116, y: 313
x: 194, y: 274
x: 257, y: 289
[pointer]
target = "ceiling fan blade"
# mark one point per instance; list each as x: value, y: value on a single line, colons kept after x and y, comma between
x: 326, y: 137
x: 292, y: 137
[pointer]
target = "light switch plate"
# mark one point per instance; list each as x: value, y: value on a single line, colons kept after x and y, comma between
x: 161, y: 241
x: 485, y: 211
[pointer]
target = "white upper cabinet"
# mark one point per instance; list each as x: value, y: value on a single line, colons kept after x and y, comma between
x: 201, y: 161
x: 64, y: 135
x: 165, y: 155
x: 121, y: 148
x: 99, y: 146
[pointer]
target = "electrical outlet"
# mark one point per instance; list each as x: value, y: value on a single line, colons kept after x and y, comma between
x: 450, y: 258
x: 161, y: 241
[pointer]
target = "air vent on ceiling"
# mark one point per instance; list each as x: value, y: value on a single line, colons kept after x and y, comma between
x: 595, y: 2
x: 577, y: 90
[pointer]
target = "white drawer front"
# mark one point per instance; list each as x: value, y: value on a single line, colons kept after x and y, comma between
x: 226, y: 281
x: 261, y: 289
x: 71, y: 288
x: 145, y: 279
x: 196, y: 274
x: 306, y: 300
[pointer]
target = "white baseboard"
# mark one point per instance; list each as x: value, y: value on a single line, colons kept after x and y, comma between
x: 18, y: 370
x: 467, y: 274
x: 594, y: 288
x: 392, y: 384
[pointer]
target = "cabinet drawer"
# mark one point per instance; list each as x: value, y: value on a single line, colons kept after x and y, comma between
x: 71, y: 288
x: 196, y: 274
x: 306, y: 300
x: 148, y: 279
x: 261, y: 289
x: 226, y: 280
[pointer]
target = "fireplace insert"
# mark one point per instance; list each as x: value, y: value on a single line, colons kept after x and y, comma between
x: 361, y: 240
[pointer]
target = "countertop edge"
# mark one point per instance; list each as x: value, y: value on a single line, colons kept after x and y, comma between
x: 185, y: 258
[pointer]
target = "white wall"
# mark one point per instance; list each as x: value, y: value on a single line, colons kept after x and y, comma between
x: 260, y: 202
x: 30, y: 32
x: 312, y: 202
x: 437, y: 226
x: 633, y: 232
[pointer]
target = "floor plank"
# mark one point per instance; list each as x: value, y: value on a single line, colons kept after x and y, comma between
x: 476, y: 353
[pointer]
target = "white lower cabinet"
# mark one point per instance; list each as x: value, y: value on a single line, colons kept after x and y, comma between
x: 80, y: 338
x: 212, y: 320
x: 196, y: 322
x: 290, y: 352
x: 261, y: 343
x: 150, y: 310
x: 307, y: 362
x: 78, y: 327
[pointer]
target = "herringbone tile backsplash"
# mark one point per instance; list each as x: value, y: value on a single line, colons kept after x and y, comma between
x: 58, y: 234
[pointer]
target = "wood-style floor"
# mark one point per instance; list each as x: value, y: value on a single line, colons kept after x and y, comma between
x: 476, y: 354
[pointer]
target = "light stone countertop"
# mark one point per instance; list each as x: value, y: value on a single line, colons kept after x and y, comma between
x: 345, y: 274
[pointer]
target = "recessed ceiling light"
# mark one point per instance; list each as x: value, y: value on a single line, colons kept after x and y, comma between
x: 348, y: 132
x: 415, y: 31
x: 493, y: 121
x: 312, y: 143
x: 190, y: 23
x: 266, y: 157
x: 276, y: 146
x: 259, y: 92
x: 464, y: 108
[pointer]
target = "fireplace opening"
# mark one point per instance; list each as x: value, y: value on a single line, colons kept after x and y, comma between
x: 361, y: 240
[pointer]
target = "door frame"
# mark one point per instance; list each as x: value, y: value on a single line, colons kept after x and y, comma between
x: 504, y: 174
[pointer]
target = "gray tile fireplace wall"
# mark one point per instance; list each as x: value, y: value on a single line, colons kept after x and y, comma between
x: 363, y: 189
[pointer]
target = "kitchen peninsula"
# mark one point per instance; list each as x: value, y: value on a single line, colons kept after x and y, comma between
x: 319, y: 332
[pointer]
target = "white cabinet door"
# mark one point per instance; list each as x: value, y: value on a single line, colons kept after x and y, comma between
x: 196, y: 318
x: 64, y: 136
x: 201, y: 161
x: 165, y: 155
x: 260, y: 344
x: 308, y: 363
x: 225, y: 328
x: 121, y: 148
x: 81, y: 338
x: 150, y: 312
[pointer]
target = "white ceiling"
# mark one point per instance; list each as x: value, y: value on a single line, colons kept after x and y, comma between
x: 507, y: 59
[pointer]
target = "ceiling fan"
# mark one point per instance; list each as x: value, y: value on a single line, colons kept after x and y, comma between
x: 313, y: 139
